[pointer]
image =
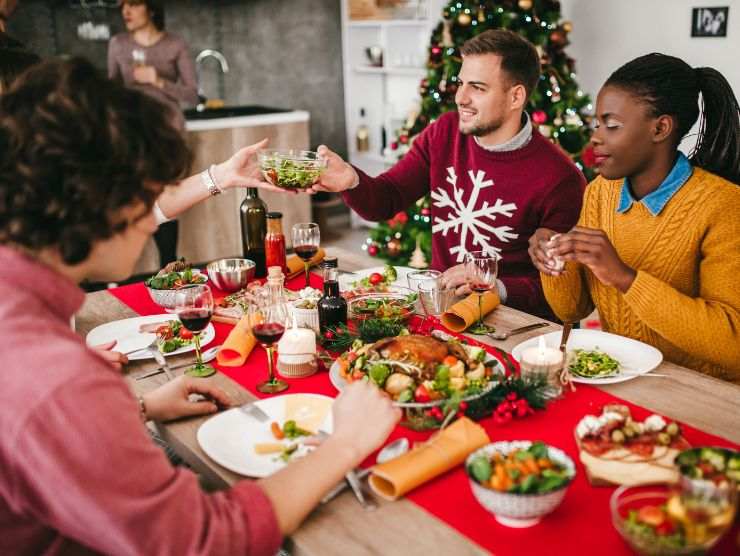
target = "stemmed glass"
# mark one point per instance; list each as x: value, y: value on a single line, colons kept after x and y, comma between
x: 306, y: 239
x: 194, y: 308
x: 481, y: 269
x: 267, y: 320
x: 138, y: 55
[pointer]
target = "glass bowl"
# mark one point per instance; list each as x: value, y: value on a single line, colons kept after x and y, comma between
x: 685, y: 526
x: 291, y: 169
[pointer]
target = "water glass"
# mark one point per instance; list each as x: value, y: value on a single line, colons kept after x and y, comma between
x: 434, y: 301
x: 430, y: 277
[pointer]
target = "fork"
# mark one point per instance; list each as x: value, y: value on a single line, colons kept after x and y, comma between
x: 505, y: 335
x: 150, y: 347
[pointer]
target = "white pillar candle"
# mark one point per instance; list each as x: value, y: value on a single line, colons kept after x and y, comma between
x: 545, y: 360
x: 297, y: 345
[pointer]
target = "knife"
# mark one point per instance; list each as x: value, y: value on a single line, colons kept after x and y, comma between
x: 356, y: 486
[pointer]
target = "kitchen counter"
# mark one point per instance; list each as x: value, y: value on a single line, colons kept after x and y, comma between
x: 211, y: 229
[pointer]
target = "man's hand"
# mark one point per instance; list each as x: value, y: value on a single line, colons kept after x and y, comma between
x: 593, y: 249
x: 541, y: 253
x: 171, y: 400
x: 115, y: 359
x: 454, y: 277
x: 243, y: 170
x: 146, y: 75
x: 359, y: 404
x: 338, y: 175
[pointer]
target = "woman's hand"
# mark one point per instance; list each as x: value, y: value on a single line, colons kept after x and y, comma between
x: 115, y: 359
x: 358, y: 405
x: 147, y: 75
x: 454, y: 277
x: 338, y: 175
x: 540, y: 251
x: 172, y: 400
x: 592, y: 248
x: 243, y: 170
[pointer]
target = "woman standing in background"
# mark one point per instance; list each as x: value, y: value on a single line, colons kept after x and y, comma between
x: 148, y: 58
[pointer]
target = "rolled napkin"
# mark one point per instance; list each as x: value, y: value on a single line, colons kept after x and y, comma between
x: 295, y: 263
x: 441, y: 453
x: 465, y: 313
x: 238, y: 345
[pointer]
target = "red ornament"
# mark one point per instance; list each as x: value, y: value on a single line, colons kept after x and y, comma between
x: 588, y: 156
x: 539, y: 117
x: 511, y: 396
x: 372, y: 250
x: 329, y: 335
x: 426, y: 211
x: 436, y: 50
x: 401, y: 218
x: 404, y: 139
x: 394, y: 146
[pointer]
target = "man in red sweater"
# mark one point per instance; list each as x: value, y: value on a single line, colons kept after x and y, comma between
x: 493, y: 179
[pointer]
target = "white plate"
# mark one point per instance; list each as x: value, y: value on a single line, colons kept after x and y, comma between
x: 228, y: 438
x: 126, y: 333
x: 346, y: 280
x: 635, y: 358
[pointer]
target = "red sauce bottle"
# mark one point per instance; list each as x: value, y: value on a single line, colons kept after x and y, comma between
x: 275, y: 242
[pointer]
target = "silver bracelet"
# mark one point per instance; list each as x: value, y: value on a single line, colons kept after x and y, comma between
x: 207, y: 177
x: 142, y: 408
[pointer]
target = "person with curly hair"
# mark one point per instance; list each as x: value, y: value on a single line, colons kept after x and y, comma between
x: 82, y: 161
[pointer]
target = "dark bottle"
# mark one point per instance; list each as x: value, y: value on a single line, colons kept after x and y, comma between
x: 253, y: 213
x: 332, y: 306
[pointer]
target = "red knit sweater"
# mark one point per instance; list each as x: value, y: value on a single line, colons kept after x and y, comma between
x: 481, y: 200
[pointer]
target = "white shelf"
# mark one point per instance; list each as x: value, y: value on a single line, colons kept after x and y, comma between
x: 389, y: 23
x: 372, y: 157
x: 410, y: 71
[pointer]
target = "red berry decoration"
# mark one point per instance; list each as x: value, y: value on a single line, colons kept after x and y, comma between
x: 394, y: 146
x: 329, y: 335
x: 375, y: 278
x: 463, y: 406
x: 522, y: 408
x: 511, y: 396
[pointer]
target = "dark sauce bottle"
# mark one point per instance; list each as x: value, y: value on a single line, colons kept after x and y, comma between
x: 332, y: 306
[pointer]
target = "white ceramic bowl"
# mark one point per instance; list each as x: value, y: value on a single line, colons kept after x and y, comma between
x: 519, y: 510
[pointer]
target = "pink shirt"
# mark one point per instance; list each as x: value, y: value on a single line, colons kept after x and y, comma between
x: 80, y: 473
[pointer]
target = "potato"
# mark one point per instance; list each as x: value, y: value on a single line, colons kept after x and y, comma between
x: 397, y: 383
x: 478, y: 372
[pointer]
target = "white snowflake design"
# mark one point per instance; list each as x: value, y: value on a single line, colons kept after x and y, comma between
x: 465, y: 219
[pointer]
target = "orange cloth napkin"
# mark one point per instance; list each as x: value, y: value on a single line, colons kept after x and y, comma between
x: 464, y: 313
x: 238, y: 345
x: 441, y: 453
x: 295, y: 263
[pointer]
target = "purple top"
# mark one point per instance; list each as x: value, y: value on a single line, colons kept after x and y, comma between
x: 79, y: 472
x: 170, y: 57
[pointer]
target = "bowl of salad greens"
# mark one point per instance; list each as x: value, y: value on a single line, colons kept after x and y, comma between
x: 592, y: 363
x: 163, y: 287
x: 291, y: 169
x: 519, y: 481
x: 709, y: 469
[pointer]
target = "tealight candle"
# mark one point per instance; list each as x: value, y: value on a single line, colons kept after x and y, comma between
x: 545, y: 360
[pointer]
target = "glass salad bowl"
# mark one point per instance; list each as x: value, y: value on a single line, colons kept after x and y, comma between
x: 290, y: 168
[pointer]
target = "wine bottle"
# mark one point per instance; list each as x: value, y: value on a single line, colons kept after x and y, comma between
x: 253, y: 213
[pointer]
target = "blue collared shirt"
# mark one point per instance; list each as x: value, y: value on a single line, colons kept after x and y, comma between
x: 656, y: 201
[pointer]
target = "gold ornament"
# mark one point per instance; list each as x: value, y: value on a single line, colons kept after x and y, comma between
x: 447, y: 33
x: 558, y: 121
x: 418, y: 260
x: 567, y: 26
x: 393, y: 248
x: 481, y: 15
x: 525, y: 4
x: 464, y: 19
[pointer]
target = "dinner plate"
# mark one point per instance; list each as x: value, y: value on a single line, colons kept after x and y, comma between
x: 635, y: 358
x: 340, y: 384
x: 346, y: 280
x: 127, y: 336
x: 229, y: 437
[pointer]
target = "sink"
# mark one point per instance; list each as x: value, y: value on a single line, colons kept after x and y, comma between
x: 232, y: 111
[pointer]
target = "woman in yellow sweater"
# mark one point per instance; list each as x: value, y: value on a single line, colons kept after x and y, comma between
x: 657, y: 246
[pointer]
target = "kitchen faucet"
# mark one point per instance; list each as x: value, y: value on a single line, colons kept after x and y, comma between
x: 208, y: 53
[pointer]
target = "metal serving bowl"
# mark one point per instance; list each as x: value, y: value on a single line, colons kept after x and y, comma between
x: 230, y: 275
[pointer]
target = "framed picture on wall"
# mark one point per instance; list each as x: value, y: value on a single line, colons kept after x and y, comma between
x: 709, y: 22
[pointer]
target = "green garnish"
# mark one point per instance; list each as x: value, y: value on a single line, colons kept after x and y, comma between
x: 291, y: 174
x: 593, y: 364
x: 292, y: 430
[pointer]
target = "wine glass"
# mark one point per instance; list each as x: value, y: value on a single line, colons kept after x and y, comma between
x: 306, y: 239
x: 138, y: 55
x: 194, y: 308
x: 267, y: 320
x: 481, y: 269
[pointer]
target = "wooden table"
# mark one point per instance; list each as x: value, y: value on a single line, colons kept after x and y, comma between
x: 342, y: 527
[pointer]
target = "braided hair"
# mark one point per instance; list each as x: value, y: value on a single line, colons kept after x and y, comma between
x: 671, y: 86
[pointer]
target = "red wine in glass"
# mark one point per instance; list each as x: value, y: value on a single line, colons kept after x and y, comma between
x: 480, y: 287
x: 195, y: 320
x: 268, y: 333
x: 306, y: 252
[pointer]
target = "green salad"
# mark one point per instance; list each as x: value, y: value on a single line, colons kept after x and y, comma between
x: 175, y: 280
x: 593, y: 364
x: 291, y: 174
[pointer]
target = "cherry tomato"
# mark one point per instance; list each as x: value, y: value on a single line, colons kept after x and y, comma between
x: 375, y: 278
x: 185, y: 334
x: 357, y: 375
x: 351, y: 357
x: 665, y: 528
x: 651, y: 515
x: 164, y: 332
x: 421, y: 394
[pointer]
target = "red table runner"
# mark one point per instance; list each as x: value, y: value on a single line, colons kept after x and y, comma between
x: 582, y: 523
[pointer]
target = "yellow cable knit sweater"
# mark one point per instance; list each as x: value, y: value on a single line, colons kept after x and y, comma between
x: 685, y: 300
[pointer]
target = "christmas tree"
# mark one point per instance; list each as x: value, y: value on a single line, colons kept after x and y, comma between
x: 558, y: 107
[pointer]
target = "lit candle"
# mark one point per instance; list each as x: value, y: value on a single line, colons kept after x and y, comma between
x: 298, y: 345
x: 545, y: 360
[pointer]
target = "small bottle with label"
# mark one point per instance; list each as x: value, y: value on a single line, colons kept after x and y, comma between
x: 362, y: 137
x: 332, y: 306
x: 275, y: 242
